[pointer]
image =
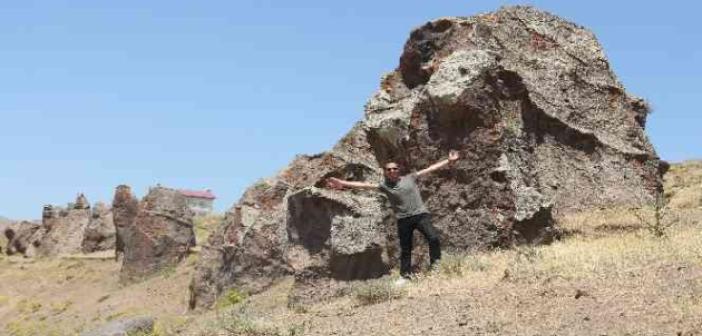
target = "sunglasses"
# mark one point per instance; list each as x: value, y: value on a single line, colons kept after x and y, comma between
x: 392, y: 169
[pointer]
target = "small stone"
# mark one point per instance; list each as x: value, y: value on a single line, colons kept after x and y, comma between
x: 580, y: 293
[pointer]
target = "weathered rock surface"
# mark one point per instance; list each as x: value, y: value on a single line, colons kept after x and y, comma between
x: 125, y: 327
x: 159, y: 236
x: 99, y: 235
x: 63, y: 229
x: 69, y: 230
x: 529, y: 100
x: 23, y: 238
x: 124, y: 210
x: 4, y: 224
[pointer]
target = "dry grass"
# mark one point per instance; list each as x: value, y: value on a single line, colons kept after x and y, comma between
x: 683, y: 185
x: 609, y: 275
x: 68, y: 295
x: 377, y: 291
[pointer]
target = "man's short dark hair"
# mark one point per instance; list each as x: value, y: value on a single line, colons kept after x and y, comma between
x: 393, y: 162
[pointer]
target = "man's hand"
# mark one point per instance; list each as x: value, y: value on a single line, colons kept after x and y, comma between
x: 453, y: 156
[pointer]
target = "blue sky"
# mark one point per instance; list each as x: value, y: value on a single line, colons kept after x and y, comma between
x: 217, y: 94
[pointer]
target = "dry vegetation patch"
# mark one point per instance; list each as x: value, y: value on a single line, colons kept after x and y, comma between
x: 377, y: 291
x: 205, y: 225
x: 608, y: 276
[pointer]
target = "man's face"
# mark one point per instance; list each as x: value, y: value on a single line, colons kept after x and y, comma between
x: 392, y: 171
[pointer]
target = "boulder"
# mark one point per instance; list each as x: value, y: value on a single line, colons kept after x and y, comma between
x: 63, y: 229
x: 124, y: 210
x: 81, y: 202
x: 22, y: 238
x: 160, y: 235
x: 99, y: 235
x: 74, y: 229
x: 531, y: 103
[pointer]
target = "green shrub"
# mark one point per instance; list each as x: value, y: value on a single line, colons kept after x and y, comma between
x: 230, y: 298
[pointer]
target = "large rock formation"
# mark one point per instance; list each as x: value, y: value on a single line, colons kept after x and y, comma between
x: 63, y: 228
x: 73, y: 229
x: 22, y: 238
x: 155, y: 235
x: 528, y: 99
x: 99, y: 235
x: 124, y: 209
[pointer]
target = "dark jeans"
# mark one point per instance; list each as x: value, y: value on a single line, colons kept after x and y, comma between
x: 405, y: 230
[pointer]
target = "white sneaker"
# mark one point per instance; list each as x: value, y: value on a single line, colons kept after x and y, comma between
x: 401, y: 282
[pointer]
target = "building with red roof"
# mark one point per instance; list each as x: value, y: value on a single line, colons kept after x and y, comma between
x: 201, y: 202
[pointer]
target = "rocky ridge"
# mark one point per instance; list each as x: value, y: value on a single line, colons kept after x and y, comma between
x: 63, y: 230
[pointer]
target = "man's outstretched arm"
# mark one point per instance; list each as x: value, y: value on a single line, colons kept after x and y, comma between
x: 336, y: 183
x: 453, y: 157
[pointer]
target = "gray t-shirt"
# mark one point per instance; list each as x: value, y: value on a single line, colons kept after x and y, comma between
x: 404, y: 196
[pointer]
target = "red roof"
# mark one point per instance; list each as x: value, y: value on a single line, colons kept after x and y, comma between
x: 198, y: 193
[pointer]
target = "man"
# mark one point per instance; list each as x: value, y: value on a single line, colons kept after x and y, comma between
x: 410, y: 211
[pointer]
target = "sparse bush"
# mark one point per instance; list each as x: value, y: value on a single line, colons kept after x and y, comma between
x: 230, y: 298
x: 376, y: 291
x: 28, y: 306
x: 658, y: 222
x: 260, y: 186
x: 60, y: 307
x: 299, y: 307
x: 456, y: 265
x: 204, y: 225
x: 237, y: 324
x: 31, y: 328
x: 296, y: 330
x: 170, y: 325
x: 167, y: 271
x: 452, y: 265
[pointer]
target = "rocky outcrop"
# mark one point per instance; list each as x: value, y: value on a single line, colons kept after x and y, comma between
x: 99, y: 235
x: 4, y: 224
x: 529, y: 100
x: 159, y: 235
x: 23, y: 238
x: 63, y: 228
x: 74, y: 229
x: 124, y: 210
